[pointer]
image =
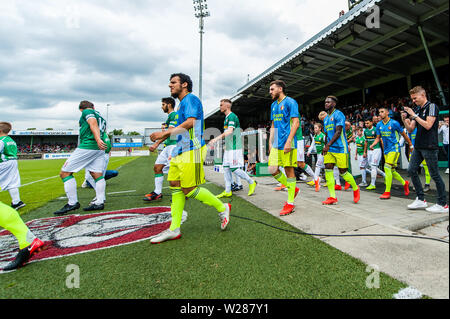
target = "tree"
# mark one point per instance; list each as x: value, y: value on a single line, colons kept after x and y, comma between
x: 117, y: 132
x: 134, y: 133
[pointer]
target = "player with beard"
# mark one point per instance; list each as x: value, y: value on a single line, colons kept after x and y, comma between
x: 336, y: 151
x: 389, y: 131
x: 162, y: 164
x: 186, y: 172
x: 283, y: 141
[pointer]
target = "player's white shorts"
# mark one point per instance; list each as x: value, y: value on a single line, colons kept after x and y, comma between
x: 91, y: 160
x: 362, y: 161
x: 163, y: 158
x: 374, y: 157
x: 301, y: 151
x: 87, y: 174
x: 9, y: 175
x: 233, y: 158
x: 320, y: 161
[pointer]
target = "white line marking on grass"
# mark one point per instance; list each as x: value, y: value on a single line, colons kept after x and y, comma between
x: 42, y: 180
x: 132, y: 191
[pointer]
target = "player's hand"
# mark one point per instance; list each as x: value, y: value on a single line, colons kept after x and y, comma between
x: 287, y: 147
x: 409, y: 111
x: 101, y: 145
x: 212, y: 142
x: 404, y: 115
x: 156, y: 136
x: 325, y: 150
x: 371, y: 147
x: 153, y: 147
x: 365, y: 155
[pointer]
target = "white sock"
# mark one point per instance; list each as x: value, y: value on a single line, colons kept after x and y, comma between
x: 364, y: 175
x: 159, y: 180
x: 237, y: 180
x: 15, y: 195
x: 100, y: 187
x: 239, y: 172
x: 381, y: 172
x: 337, y: 176
x: 228, y: 178
x: 317, y: 173
x: 282, y: 170
x: 70, y: 187
x: 309, y: 171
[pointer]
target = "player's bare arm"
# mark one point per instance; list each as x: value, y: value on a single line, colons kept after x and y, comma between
x: 333, y: 140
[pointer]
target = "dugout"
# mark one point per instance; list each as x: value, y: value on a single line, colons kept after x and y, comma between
x: 378, y: 43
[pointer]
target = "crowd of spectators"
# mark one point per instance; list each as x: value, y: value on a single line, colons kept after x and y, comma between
x: 46, y: 148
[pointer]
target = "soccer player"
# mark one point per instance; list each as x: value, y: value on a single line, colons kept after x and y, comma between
x: 317, y: 146
x: 283, y: 141
x: 29, y: 245
x: 162, y: 164
x: 9, y: 171
x: 412, y: 137
x: 233, y: 157
x: 90, y: 154
x: 373, y: 155
x: 186, y: 172
x: 389, y: 131
x: 301, y: 156
x: 361, y: 156
x: 336, y: 151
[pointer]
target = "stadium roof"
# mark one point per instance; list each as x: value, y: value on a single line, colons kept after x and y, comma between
x: 349, y: 56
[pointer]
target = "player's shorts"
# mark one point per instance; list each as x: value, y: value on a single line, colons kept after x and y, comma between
x: 301, y: 151
x: 91, y: 160
x: 341, y: 160
x: 279, y: 158
x: 320, y: 161
x: 9, y: 175
x: 374, y: 157
x: 233, y: 159
x: 105, y: 167
x: 163, y: 158
x: 362, y: 161
x: 392, y: 158
x: 188, y: 168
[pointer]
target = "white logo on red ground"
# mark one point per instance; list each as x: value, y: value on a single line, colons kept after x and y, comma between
x: 76, y: 234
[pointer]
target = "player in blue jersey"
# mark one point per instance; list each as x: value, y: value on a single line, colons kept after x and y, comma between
x: 389, y: 131
x: 186, y: 172
x: 336, y: 152
x: 283, y: 142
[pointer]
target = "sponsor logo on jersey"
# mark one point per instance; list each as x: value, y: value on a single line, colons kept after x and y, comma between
x: 76, y: 234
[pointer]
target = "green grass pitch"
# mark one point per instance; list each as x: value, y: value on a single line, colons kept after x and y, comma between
x: 248, y: 260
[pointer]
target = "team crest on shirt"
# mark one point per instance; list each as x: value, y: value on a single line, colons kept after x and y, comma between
x: 332, y: 119
x: 282, y: 107
x: 390, y: 128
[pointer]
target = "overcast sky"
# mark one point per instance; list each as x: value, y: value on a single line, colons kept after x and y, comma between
x: 55, y: 53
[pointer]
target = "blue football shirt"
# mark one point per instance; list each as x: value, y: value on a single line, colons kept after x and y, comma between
x: 190, y: 106
x: 390, y: 133
x: 282, y: 114
x: 330, y: 123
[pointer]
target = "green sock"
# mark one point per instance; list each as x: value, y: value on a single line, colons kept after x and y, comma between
x: 388, y: 178
x: 206, y: 197
x: 398, y: 177
x: 291, y: 185
x: 427, y: 174
x: 281, y: 178
x: 11, y: 221
x: 349, y: 179
x: 178, y: 201
x: 330, y: 182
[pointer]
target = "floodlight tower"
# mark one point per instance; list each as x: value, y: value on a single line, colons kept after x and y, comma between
x: 201, y: 12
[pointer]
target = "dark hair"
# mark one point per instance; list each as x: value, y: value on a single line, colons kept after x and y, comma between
x: 86, y: 105
x: 280, y: 84
x: 227, y: 101
x: 168, y: 100
x: 5, y: 127
x: 335, y: 99
x: 184, y: 79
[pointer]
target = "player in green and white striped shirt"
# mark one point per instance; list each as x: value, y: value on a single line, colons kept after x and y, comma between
x: 233, y: 157
x: 162, y: 164
x: 90, y: 154
x: 9, y: 171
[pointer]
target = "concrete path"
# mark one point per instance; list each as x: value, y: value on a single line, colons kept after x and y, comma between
x: 422, y: 264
